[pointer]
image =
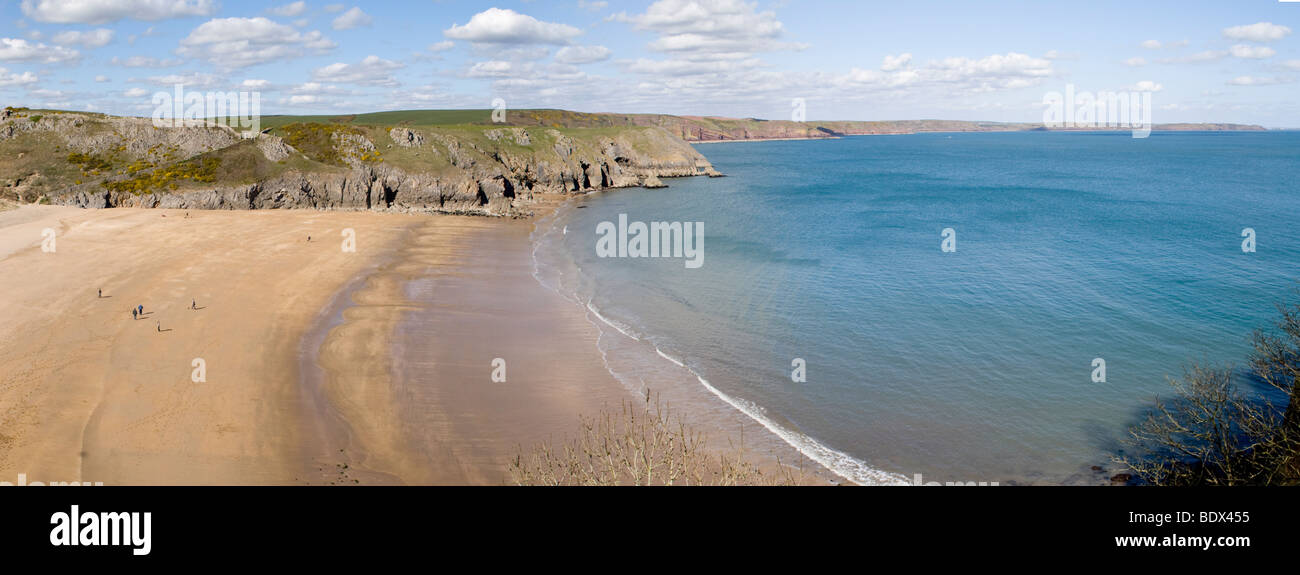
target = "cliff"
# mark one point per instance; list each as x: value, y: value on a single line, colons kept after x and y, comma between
x: 98, y: 161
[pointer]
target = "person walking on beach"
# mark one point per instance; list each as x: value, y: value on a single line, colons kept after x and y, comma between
x: 141, y: 308
x: 159, y: 325
x: 194, y: 304
x: 134, y: 314
x: 101, y: 292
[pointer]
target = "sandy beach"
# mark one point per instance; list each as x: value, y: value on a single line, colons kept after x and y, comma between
x: 320, y: 365
x: 87, y: 393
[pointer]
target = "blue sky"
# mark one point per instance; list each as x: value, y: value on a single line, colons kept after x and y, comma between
x: 1225, y: 61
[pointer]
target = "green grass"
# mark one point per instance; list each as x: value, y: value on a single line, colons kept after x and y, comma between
x: 25, y: 155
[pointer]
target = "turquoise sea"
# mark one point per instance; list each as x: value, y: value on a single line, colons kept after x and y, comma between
x: 968, y: 365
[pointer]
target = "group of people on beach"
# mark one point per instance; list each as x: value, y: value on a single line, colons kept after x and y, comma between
x: 137, y: 312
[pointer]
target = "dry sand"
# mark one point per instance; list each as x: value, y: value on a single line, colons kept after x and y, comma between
x: 87, y: 393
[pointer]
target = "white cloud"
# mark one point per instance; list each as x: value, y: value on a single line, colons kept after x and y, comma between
x: 892, y: 62
x: 1252, y: 52
x: 1292, y: 64
x: 191, y: 80
x: 105, y: 11
x: 353, y: 18
x: 582, y: 54
x: 15, y: 79
x: 1157, y: 45
x: 675, y: 67
x: 87, y: 39
x: 442, y: 46
x: 493, y: 69
x: 1146, y: 86
x: 719, y: 27
x: 102, y: 78
x: 135, y: 93
x: 242, y: 42
x: 371, y: 71
x: 254, y: 84
x: 1260, y: 32
x: 146, y: 62
x: 596, y: 6
x: 718, y: 38
x: 996, y: 72
x: 1135, y: 62
x: 290, y: 10
x: 1255, y: 81
x: 1011, y: 70
x: 1206, y: 56
x: 512, y: 52
x: 498, y: 26
x: 19, y: 50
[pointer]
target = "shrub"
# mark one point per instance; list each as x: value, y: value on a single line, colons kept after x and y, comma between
x: 1211, y: 433
x: 196, y: 170
x: 639, y: 445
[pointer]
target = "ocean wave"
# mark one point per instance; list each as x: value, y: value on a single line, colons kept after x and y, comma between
x: 838, y: 462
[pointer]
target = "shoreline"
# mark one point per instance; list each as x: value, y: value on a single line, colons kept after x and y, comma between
x: 321, y: 367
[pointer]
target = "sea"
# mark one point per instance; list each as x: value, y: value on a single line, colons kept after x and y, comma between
x: 993, y: 307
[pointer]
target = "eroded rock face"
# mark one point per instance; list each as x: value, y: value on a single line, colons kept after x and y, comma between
x: 406, y: 137
x: 133, y: 136
x: 517, y: 135
x: 273, y: 147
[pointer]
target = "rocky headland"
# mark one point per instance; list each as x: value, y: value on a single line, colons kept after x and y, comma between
x: 95, y: 161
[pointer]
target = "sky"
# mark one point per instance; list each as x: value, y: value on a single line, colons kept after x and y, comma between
x: 1202, y: 61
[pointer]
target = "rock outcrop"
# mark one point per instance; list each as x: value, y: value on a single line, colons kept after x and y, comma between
x: 406, y: 137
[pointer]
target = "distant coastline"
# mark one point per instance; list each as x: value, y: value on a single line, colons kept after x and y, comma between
x: 1157, y: 128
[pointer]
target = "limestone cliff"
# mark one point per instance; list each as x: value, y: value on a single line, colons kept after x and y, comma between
x: 99, y: 161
